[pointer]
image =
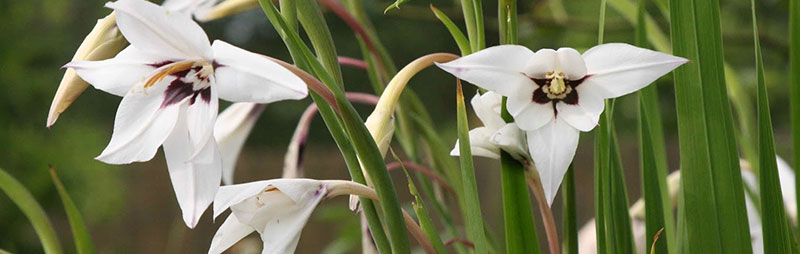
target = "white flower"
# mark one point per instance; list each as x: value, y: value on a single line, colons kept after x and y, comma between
x: 171, y: 78
x: 554, y: 94
x: 231, y: 130
x: 277, y: 209
x: 496, y: 134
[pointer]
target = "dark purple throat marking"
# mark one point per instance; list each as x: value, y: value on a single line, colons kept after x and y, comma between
x: 179, y: 89
x: 540, y: 95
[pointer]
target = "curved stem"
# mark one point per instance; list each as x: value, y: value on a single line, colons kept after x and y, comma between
x: 535, y: 183
x: 344, y: 187
x: 294, y: 154
x: 423, y: 170
x: 352, y: 62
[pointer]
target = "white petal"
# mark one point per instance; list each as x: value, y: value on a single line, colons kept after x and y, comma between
x: 786, y: 175
x: 512, y: 140
x: 119, y: 74
x: 231, y: 130
x: 233, y: 194
x: 155, y: 29
x: 552, y: 148
x: 541, y: 63
x: 195, y: 183
x: 140, y: 126
x: 500, y: 69
x: 487, y: 107
x: 230, y: 232
x: 620, y: 69
x: 527, y: 114
x: 278, y: 218
x: 571, y: 63
x: 585, y: 115
x: 200, y: 116
x: 243, y: 76
x: 480, y: 145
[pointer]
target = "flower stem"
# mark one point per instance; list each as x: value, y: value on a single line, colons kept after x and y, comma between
x: 535, y: 183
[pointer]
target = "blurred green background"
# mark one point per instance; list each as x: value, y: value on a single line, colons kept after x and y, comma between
x: 132, y: 208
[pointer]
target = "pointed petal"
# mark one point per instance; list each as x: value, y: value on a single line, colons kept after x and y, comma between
x: 230, y: 195
x: 195, y: 183
x: 200, y: 116
x: 119, y: 74
x: 527, y: 114
x: 155, y: 29
x: 140, y: 126
x: 487, y: 107
x: 301, y: 190
x: 500, y: 69
x: 541, y: 63
x: 480, y: 145
x: 512, y: 140
x: 228, y: 234
x: 277, y: 217
x: 571, y: 63
x: 619, y: 69
x: 231, y: 130
x: 243, y: 76
x: 584, y: 115
x: 552, y: 148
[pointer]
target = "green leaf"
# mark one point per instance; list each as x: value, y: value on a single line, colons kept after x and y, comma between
x: 425, y: 221
x: 32, y: 210
x: 653, y: 158
x: 473, y: 217
x: 794, y: 72
x: 395, y: 5
x: 455, y: 32
x: 570, y: 226
x: 83, y: 241
x: 715, y: 218
x: 520, y: 228
x: 773, y: 214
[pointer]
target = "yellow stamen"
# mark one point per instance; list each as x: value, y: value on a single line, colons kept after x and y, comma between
x: 173, y: 68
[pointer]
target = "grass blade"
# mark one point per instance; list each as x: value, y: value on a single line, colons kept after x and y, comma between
x: 32, y: 210
x: 711, y: 180
x: 458, y: 36
x: 653, y: 157
x: 425, y: 221
x: 83, y: 241
x: 794, y: 72
x: 773, y: 215
x: 473, y: 217
x: 569, y: 244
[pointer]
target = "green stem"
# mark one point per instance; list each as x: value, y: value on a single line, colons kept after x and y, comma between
x: 473, y: 215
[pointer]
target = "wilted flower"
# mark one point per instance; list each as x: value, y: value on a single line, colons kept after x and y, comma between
x: 553, y: 95
x: 171, y: 78
x: 277, y: 209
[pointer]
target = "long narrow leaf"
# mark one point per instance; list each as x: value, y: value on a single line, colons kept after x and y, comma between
x: 794, y: 72
x: 83, y: 241
x: 653, y: 157
x: 32, y: 210
x: 425, y: 221
x: 773, y: 215
x: 458, y: 36
x: 473, y: 217
x: 570, y: 225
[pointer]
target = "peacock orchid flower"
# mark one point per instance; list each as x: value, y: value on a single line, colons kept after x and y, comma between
x: 170, y: 78
x: 277, y: 209
x: 496, y: 134
x: 555, y: 94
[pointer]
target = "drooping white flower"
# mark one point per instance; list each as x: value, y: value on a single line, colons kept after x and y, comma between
x: 231, y: 130
x: 554, y: 94
x: 496, y: 134
x: 170, y: 78
x: 277, y: 209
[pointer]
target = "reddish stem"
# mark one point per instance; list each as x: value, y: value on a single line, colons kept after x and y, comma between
x: 423, y: 170
x: 352, y: 62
